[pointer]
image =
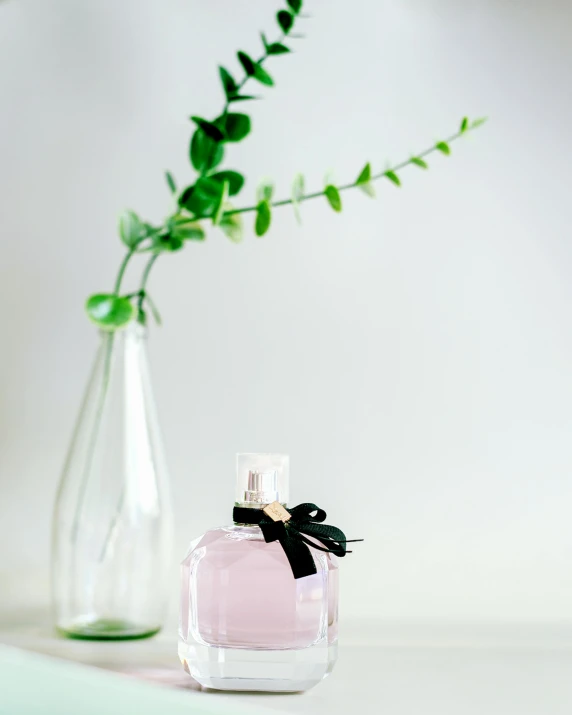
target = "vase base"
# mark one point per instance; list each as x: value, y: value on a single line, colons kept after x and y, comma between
x: 104, y: 629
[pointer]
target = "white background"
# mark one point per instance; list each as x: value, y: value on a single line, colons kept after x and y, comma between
x: 412, y: 355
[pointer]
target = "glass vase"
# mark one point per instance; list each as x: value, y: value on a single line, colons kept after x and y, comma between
x: 112, y: 522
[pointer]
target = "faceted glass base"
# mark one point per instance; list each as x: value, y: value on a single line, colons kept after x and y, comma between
x: 258, y: 670
x: 107, y: 630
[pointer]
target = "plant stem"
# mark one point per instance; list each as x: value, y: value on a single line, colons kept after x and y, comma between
x: 122, y: 268
x: 147, y: 270
x: 344, y: 187
x: 246, y: 77
x: 145, y: 278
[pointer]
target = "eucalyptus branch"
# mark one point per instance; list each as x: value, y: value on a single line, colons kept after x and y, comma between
x: 259, y: 62
x: 391, y: 173
x: 208, y: 197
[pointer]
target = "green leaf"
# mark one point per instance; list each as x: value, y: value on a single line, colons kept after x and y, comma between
x: 265, y: 191
x: 368, y: 189
x: 421, y: 163
x: 131, y: 229
x: 392, y: 176
x: 231, y: 225
x: 262, y: 76
x: 297, y: 194
x: 364, y: 181
x: 241, y: 97
x: 333, y: 196
x: 234, y: 127
x: 206, y: 196
x: 277, y: 48
x: 298, y: 187
x: 443, y: 147
x: 365, y: 175
x: 479, y: 122
x: 209, y: 128
x: 185, y: 196
x: 171, y: 182
x: 285, y: 20
x: 205, y: 153
x: 296, y: 5
x: 464, y: 125
x: 229, y: 85
x: 263, y: 218
x: 217, y: 215
x: 247, y: 63
x: 235, y: 180
x: 167, y: 242
x: 208, y: 187
x: 202, y: 198
x: 109, y: 311
x: 187, y: 229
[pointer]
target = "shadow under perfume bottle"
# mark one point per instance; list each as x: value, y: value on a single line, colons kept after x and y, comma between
x: 246, y: 623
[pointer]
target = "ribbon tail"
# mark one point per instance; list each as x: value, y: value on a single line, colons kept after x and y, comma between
x: 331, y: 537
x: 328, y: 548
x: 299, y: 557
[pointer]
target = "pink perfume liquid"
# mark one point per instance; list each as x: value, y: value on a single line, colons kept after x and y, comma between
x: 239, y: 595
x: 244, y: 594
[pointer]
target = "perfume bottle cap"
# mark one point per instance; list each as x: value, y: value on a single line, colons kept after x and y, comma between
x: 261, y: 479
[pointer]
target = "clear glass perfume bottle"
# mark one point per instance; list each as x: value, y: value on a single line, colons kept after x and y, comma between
x: 246, y: 623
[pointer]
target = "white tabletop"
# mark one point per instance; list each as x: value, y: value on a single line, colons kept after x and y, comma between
x: 390, y: 669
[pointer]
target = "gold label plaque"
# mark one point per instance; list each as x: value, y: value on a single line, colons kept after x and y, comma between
x: 276, y: 512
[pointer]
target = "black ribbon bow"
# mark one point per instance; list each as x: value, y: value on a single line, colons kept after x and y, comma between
x: 305, y: 519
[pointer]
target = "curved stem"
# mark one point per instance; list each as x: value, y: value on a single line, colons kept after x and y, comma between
x: 145, y: 278
x: 147, y: 270
x: 122, y: 268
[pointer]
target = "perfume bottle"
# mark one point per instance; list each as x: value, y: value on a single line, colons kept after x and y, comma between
x: 246, y: 622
